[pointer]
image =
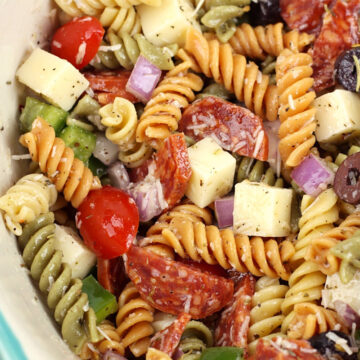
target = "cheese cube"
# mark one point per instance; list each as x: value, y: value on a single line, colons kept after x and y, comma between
x: 262, y: 210
x: 59, y: 82
x: 337, y: 116
x: 213, y: 172
x: 168, y: 23
x: 75, y: 253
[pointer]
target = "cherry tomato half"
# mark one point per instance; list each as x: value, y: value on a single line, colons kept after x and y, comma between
x: 78, y: 40
x: 108, y: 220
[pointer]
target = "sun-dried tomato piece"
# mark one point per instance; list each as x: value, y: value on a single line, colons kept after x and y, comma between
x: 285, y: 349
x: 174, y: 287
x: 107, y: 85
x: 173, y: 168
x: 235, y: 318
x: 167, y: 340
x: 235, y: 128
x: 338, y: 32
x: 304, y: 15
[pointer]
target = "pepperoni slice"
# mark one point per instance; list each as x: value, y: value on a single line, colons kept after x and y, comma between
x: 338, y: 33
x: 235, y: 319
x: 108, y: 85
x: 285, y: 349
x: 235, y: 128
x: 174, y: 287
x: 167, y: 340
x: 304, y: 15
x: 173, y: 168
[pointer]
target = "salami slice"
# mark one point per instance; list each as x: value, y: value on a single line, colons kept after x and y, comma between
x: 174, y: 287
x: 234, y: 128
x: 167, y: 340
x: 235, y: 318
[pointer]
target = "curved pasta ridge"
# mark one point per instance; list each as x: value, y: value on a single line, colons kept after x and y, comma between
x: 245, y: 80
x: 133, y: 321
x: 265, y: 315
x: 31, y: 196
x: 163, y: 111
x: 64, y: 295
x: 297, y: 116
x: 69, y: 174
x: 198, y: 241
x: 260, y: 41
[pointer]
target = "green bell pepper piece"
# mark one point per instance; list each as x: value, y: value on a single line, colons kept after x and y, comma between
x: 223, y: 353
x: 80, y: 140
x: 97, y: 167
x: 102, y: 301
x: 55, y: 116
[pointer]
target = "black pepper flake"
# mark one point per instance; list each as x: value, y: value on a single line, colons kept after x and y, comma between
x: 8, y: 82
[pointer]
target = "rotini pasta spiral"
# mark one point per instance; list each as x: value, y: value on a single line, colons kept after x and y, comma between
x: 200, y: 242
x: 69, y: 174
x: 311, y: 319
x: 134, y: 320
x: 246, y: 81
x: 265, y: 315
x: 31, y: 196
x: 297, y: 116
x: 163, y: 112
x: 111, y: 341
x: 318, y: 216
x: 64, y: 296
x: 319, y: 249
x: 121, y: 20
x: 260, y: 41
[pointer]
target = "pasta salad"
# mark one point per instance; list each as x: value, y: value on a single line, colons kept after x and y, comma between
x: 194, y: 186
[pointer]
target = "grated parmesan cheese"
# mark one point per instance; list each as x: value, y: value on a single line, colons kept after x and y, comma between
x: 21, y: 157
x: 81, y: 53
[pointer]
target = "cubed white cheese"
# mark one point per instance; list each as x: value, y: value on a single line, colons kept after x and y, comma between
x: 337, y: 116
x: 168, y: 23
x: 213, y: 172
x: 59, y: 82
x: 262, y: 210
x: 75, y: 253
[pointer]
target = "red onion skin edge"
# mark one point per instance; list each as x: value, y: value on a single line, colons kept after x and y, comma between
x: 347, y: 313
x: 110, y: 355
x: 224, y: 211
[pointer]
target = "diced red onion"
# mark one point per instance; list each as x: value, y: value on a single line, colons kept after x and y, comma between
x: 119, y: 176
x: 347, y: 313
x: 274, y: 160
x: 312, y: 175
x: 105, y: 150
x: 178, y: 354
x: 143, y: 79
x: 111, y: 355
x: 224, y: 211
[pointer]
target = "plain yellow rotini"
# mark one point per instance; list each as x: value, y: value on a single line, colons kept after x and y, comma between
x: 297, y: 116
x: 261, y: 41
x: 244, y: 79
x: 155, y: 354
x: 111, y: 341
x: 198, y: 241
x: 265, y: 316
x: 31, y: 196
x: 317, y: 217
x: 319, y: 249
x: 133, y: 321
x: 311, y: 319
x: 69, y: 174
x: 163, y: 111
x: 121, y: 20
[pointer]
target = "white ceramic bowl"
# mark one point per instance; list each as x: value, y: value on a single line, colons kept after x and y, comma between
x: 27, y: 330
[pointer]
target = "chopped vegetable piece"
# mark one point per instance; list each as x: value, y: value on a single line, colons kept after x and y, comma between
x: 347, y: 69
x: 78, y: 40
x: 55, y: 116
x: 97, y: 167
x: 224, y: 211
x: 102, y: 301
x: 119, y: 176
x: 223, y: 353
x: 175, y: 287
x: 108, y: 220
x: 105, y: 150
x: 312, y: 175
x: 233, y: 127
x: 143, y: 79
x: 347, y: 314
x: 264, y: 12
x: 81, y: 141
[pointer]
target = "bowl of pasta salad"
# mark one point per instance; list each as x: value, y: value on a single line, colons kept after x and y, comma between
x: 180, y: 179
